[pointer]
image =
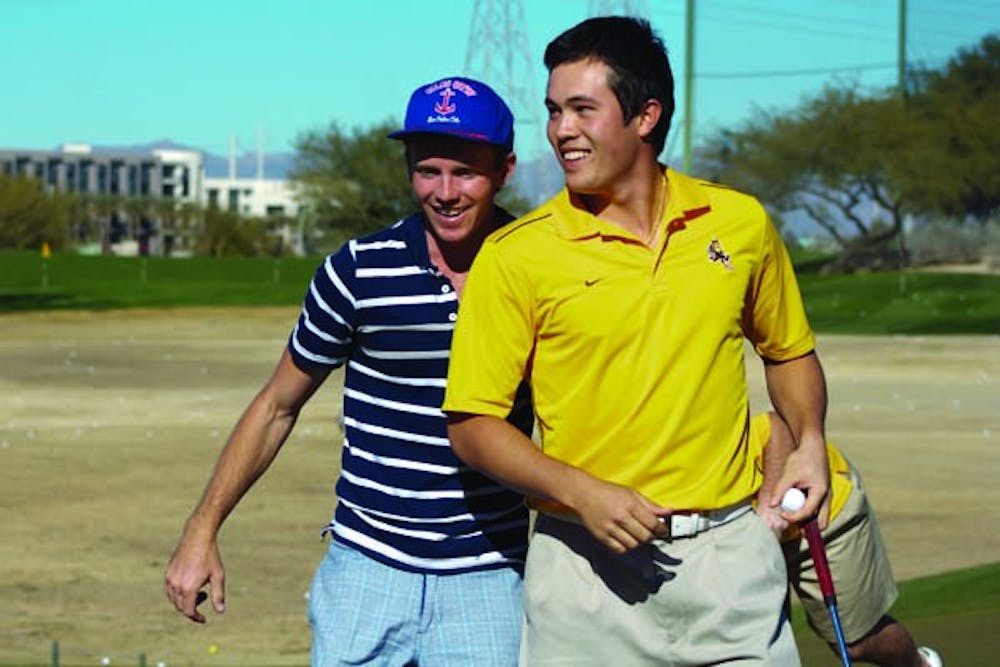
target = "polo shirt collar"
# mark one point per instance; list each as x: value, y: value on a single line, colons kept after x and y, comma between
x: 686, y: 201
x: 413, y: 227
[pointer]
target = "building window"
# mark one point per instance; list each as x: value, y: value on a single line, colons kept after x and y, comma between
x: 116, y: 169
x: 70, y: 177
x: 213, y: 198
x: 168, y: 171
x: 234, y: 199
x: 85, y: 176
x: 145, y: 177
x: 102, y: 178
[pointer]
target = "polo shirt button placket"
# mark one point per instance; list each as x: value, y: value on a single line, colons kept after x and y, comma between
x: 445, y: 289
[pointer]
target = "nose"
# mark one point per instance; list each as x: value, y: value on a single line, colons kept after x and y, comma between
x: 561, y: 127
x: 447, y: 190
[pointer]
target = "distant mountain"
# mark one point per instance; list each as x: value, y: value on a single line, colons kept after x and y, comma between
x: 276, y: 165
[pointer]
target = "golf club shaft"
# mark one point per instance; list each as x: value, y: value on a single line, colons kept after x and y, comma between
x: 818, y: 551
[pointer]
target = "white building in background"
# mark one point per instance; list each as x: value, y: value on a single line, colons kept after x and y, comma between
x: 79, y: 168
x: 256, y: 197
x: 168, y: 173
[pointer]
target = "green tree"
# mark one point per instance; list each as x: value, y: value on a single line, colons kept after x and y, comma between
x: 838, y: 158
x: 861, y: 163
x: 960, y: 103
x: 29, y: 215
x: 226, y: 233
x: 353, y: 182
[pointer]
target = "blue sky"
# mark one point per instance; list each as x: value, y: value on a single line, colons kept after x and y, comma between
x: 198, y: 72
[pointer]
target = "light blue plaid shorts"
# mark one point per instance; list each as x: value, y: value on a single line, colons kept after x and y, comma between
x: 364, y: 612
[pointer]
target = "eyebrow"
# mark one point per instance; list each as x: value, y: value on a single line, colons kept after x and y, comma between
x: 573, y: 99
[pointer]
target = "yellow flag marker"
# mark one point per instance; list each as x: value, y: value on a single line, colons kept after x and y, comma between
x: 46, y: 251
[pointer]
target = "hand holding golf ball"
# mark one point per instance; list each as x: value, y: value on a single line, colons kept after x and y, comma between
x: 793, y: 500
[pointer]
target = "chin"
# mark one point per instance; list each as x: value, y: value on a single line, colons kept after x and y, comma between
x: 452, y: 234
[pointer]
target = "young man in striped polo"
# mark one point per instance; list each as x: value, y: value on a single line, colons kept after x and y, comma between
x: 426, y: 557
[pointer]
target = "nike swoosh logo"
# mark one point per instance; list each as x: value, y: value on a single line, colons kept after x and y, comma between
x: 591, y: 283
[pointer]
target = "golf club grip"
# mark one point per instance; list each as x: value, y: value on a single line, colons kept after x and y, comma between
x: 818, y: 552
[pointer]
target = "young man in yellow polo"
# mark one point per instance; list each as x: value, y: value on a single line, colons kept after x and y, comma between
x: 625, y: 301
x: 859, y: 562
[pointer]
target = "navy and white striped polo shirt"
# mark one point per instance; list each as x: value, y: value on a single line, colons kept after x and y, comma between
x: 379, y: 306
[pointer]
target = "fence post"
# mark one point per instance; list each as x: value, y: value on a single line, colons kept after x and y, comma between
x: 142, y: 660
x: 55, y: 653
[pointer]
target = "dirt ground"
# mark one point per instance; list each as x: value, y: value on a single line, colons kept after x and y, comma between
x: 110, y: 423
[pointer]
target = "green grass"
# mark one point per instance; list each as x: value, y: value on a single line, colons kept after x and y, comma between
x: 908, y: 302
x: 862, y: 303
x: 77, y: 282
x: 957, y: 613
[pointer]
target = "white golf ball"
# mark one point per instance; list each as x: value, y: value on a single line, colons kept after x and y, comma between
x: 793, y: 500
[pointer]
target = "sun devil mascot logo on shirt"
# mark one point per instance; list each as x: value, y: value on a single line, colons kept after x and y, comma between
x: 717, y: 254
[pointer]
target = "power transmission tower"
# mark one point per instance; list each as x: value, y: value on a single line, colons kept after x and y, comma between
x: 498, y: 53
x: 637, y: 8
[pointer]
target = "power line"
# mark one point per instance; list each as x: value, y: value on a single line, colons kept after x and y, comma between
x: 798, y: 72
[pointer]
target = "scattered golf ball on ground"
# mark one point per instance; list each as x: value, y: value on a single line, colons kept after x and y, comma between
x: 213, y: 649
x: 793, y: 500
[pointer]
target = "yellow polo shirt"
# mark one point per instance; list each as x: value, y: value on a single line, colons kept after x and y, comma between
x: 634, y: 355
x: 840, y: 473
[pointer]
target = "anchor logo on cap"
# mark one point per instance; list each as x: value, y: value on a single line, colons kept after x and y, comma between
x: 445, y: 106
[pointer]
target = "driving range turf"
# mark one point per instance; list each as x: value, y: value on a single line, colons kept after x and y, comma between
x: 112, y: 420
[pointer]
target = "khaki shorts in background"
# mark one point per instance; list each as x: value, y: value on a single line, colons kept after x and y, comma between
x: 717, y: 597
x: 859, y: 565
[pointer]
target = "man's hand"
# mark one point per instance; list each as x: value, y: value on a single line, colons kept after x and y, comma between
x: 195, y: 563
x: 808, y: 469
x: 618, y: 517
x: 771, y: 516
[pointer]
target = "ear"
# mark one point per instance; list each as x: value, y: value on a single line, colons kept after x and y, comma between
x: 649, y: 116
x: 507, y: 168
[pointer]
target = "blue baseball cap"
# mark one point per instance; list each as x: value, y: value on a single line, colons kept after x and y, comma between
x: 463, y: 108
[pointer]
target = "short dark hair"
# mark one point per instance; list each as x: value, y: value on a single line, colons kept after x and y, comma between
x: 637, y: 57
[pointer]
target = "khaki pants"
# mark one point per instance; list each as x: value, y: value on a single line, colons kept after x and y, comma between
x: 715, y: 598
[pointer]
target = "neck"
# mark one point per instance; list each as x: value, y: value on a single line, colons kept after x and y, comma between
x: 453, y: 258
x: 636, y: 206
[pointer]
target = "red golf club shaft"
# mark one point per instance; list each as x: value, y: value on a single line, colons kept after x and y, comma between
x: 818, y: 551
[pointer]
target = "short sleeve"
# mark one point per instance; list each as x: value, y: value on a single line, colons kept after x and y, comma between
x: 774, y: 318
x: 493, y: 338
x: 324, y: 333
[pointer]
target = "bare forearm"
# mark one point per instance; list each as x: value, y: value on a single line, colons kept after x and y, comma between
x: 619, y: 517
x: 797, y: 390
x: 497, y: 449
x: 254, y: 443
x: 779, y: 446
x: 249, y: 451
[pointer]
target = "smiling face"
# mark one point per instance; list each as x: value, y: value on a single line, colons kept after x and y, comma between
x: 596, y: 148
x: 455, y: 181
